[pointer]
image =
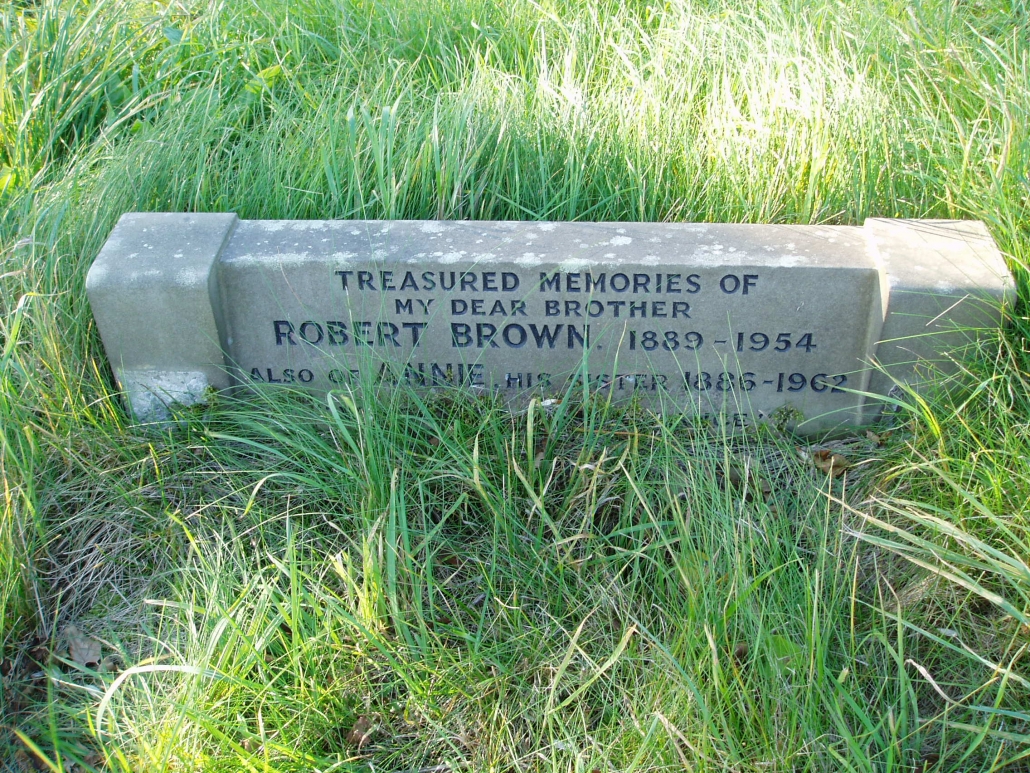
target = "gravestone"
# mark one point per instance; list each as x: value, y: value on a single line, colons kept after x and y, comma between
x: 727, y: 321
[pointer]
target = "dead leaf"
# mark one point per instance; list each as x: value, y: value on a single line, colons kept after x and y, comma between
x: 360, y: 733
x: 928, y: 763
x: 112, y: 664
x: 740, y: 652
x: 830, y: 463
x: 872, y: 437
x: 733, y: 472
x: 40, y: 656
x: 450, y: 559
x: 744, y: 478
x: 83, y: 650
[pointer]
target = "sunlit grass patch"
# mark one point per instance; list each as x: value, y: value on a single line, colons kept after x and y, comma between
x: 486, y: 606
x: 403, y: 583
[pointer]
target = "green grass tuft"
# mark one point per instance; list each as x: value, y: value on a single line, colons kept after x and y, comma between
x: 396, y: 582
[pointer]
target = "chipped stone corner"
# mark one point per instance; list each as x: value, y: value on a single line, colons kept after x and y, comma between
x: 153, y: 394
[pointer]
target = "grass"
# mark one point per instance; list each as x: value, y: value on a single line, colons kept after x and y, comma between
x: 392, y: 582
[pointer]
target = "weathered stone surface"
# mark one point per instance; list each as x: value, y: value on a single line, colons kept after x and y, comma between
x: 154, y: 293
x: 735, y: 321
x: 946, y: 281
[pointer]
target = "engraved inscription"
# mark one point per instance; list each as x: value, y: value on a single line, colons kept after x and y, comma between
x: 723, y: 320
x: 461, y: 310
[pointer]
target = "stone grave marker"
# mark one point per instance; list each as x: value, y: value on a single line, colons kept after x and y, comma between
x: 727, y: 321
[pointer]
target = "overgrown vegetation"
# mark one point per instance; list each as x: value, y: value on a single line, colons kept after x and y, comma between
x: 378, y: 582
